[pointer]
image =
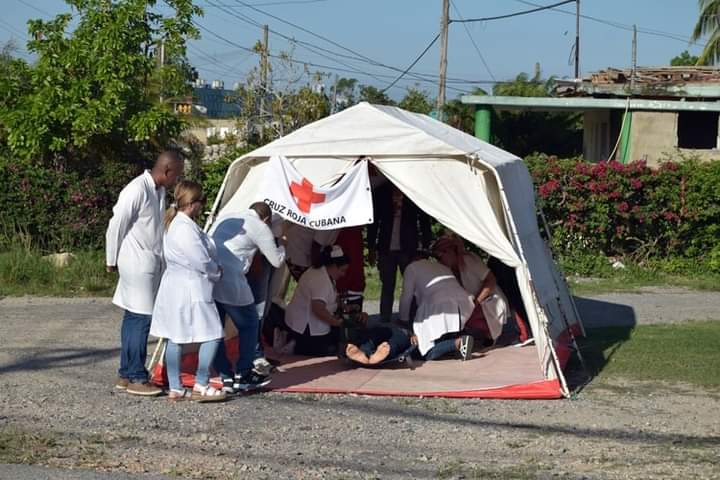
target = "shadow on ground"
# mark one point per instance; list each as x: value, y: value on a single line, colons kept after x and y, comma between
x: 607, y: 327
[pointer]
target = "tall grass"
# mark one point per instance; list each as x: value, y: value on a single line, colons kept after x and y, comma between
x: 25, y: 271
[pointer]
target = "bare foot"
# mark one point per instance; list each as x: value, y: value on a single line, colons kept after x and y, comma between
x: 381, y: 353
x: 355, y: 354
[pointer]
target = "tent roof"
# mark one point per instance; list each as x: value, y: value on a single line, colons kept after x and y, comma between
x: 381, y: 131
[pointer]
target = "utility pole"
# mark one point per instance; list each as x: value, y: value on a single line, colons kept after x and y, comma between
x: 634, y: 60
x: 444, y: 20
x: 264, y: 66
x: 577, y: 38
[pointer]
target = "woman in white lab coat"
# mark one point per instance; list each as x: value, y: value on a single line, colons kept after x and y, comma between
x: 185, y: 312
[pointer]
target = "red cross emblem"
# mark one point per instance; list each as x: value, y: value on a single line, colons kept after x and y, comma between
x: 305, y: 196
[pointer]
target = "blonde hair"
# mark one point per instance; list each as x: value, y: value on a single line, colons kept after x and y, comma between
x: 186, y: 192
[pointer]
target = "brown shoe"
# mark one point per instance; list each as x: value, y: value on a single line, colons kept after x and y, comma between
x: 122, y: 384
x: 144, y: 389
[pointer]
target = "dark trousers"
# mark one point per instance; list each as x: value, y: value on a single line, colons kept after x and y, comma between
x: 316, y: 345
x: 388, y: 265
x: 133, y: 346
x: 369, y: 339
x: 246, y: 323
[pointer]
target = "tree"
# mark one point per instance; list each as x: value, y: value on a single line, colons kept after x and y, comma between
x: 684, y: 59
x: 708, y: 25
x: 273, y: 110
x: 370, y: 94
x: 345, y: 91
x: 416, y: 100
x: 527, y: 132
x: 94, y: 91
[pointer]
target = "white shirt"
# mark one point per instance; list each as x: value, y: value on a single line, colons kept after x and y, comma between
x: 184, y: 309
x: 443, y: 305
x: 314, y: 284
x: 237, y: 237
x: 473, y: 273
x: 133, y: 243
x: 300, y: 239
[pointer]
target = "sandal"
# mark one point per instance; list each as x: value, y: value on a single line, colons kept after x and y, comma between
x: 179, y: 395
x: 207, y: 393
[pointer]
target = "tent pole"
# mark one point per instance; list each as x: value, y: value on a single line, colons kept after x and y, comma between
x: 562, y: 273
x: 573, y: 339
x: 512, y: 230
x: 157, y: 355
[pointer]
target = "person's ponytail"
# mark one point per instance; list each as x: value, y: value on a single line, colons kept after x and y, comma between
x: 170, y: 214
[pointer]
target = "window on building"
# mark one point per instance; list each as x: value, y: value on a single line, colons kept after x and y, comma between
x: 697, y: 130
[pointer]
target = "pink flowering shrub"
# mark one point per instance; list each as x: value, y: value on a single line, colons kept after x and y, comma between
x: 59, y: 209
x: 630, y: 210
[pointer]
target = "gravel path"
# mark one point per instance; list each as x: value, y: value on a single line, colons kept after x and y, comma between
x: 58, y: 409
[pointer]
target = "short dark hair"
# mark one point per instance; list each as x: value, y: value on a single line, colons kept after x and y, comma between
x: 262, y: 209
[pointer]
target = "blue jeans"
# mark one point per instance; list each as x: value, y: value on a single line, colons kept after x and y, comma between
x: 133, y: 346
x: 260, y: 287
x: 441, y: 348
x: 246, y: 322
x: 173, y: 360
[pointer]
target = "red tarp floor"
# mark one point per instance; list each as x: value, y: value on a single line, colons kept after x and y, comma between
x: 509, y: 372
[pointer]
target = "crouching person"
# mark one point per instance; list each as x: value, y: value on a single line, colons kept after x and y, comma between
x: 311, y: 314
x: 443, y: 309
x: 184, y: 311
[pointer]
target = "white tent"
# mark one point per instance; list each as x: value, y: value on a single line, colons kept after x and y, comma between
x: 475, y: 189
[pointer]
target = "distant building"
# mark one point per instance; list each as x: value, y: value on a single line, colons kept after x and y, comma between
x: 631, y: 116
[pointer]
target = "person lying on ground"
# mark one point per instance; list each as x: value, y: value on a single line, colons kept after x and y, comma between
x: 375, y: 345
x: 443, y: 307
x: 491, y: 306
x: 238, y: 237
x: 184, y: 311
x: 311, y: 314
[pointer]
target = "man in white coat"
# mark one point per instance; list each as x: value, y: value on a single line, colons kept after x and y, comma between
x: 134, y: 249
x: 238, y: 236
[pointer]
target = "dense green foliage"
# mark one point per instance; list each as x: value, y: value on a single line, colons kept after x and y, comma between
x: 95, y: 88
x: 632, y: 211
x: 684, y: 59
x: 526, y: 132
x: 55, y: 208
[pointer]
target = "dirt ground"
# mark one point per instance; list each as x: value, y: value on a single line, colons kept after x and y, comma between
x: 58, y: 359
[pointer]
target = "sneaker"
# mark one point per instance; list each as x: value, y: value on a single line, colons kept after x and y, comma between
x: 250, y: 381
x: 466, y: 347
x: 143, y: 389
x: 229, y: 386
x: 122, y: 384
x: 262, y: 367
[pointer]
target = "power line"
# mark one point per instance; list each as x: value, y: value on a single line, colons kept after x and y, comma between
x: 412, y: 64
x: 40, y: 10
x: 317, y: 65
x: 621, y: 26
x: 356, y: 56
x: 514, y: 14
x: 286, y: 2
x: 472, y: 40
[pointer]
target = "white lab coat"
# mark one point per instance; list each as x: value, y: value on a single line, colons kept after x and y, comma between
x: 133, y: 243
x: 495, y: 307
x: 184, y: 309
x: 237, y: 237
x: 443, y: 306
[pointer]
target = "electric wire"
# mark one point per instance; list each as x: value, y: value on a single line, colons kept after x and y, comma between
x: 514, y: 14
x: 472, y: 40
x: 422, y: 54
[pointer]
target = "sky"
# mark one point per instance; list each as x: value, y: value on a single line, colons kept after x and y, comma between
x: 393, y: 33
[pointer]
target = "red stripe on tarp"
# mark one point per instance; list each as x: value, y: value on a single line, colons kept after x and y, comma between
x: 562, y: 344
x: 542, y: 390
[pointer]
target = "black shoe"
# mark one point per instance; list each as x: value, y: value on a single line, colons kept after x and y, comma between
x: 250, y: 381
x: 229, y: 386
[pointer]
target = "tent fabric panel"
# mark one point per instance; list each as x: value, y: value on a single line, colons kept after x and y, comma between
x: 363, y: 129
x: 450, y: 191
